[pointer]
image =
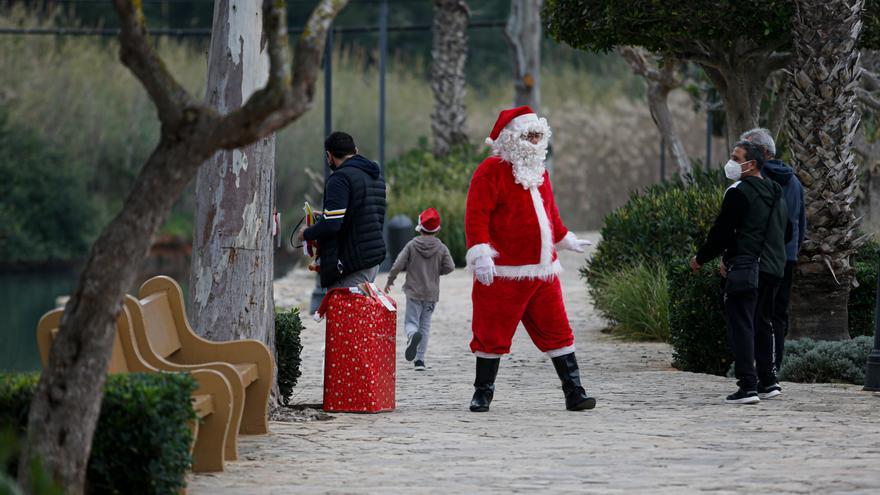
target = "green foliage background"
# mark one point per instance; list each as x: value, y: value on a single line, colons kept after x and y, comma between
x: 288, y: 348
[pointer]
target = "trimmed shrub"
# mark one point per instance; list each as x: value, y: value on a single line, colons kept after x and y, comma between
x: 288, y: 348
x: 417, y: 180
x: 697, y: 330
x: 665, y: 222
x: 142, y: 440
x: 810, y: 361
x: 637, y: 299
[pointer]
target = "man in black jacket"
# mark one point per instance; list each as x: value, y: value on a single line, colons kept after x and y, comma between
x: 793, y: 190
x: 349, y: 235
x: 752, y: 225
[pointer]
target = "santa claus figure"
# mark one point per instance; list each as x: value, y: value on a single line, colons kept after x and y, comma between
x: 513, y: 233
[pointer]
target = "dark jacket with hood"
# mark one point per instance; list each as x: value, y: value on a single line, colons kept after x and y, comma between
x: 424, y: 259
x: 753, y: 221
x: 350, y: 234
x: 793, y: 191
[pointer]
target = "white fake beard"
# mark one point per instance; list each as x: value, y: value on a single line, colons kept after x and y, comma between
x: 526, y: 159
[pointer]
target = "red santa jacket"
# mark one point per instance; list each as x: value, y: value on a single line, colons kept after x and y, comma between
x: 517, y: 227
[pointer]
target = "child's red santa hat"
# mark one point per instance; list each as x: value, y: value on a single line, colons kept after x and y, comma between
x: 515, y: 117
x: 429, y: 221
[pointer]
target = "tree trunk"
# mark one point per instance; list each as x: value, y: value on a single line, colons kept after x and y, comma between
x: 741, y: 87
x: 523, y: 34
x: 822, y: 123
x: 661, y: 79
x: 449, y: 54
x: 66, y: 404
x: 232, y: 263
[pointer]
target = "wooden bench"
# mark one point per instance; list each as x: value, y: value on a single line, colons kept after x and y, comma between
x: 212, y: 400
x: 167, y: 342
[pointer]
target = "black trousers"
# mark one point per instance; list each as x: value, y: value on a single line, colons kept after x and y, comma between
x: 780, y: 312
x: 750, y: 333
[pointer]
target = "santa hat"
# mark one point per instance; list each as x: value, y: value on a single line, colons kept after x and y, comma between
x: 515, y: 117
x: 429, y: 221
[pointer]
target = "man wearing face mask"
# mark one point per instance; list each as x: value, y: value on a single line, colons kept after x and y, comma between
x: 513, y: 232
x: 350, y: 232
x: 749, y: 233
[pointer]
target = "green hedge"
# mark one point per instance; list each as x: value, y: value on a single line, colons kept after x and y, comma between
x: 810, y: 361
x: 142, y: 440
x: 697, y: 330
x: 417, y: 180
x: 288, y: 348
x: 665, y: 222
x: 862, y: 298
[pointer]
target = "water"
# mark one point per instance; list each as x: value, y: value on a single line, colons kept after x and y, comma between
x: 24, y: 298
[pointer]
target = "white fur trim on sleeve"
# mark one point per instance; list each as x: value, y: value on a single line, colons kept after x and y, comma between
x: 568, y: 242
x: 478, y: 251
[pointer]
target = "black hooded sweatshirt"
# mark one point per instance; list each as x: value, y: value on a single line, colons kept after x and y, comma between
x: 350, y: 233
x: 753, y: 221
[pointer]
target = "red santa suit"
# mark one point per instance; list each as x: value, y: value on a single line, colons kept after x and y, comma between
x: 514, y: 221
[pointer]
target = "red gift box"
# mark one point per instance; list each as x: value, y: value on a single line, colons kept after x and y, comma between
x: 359, y: 357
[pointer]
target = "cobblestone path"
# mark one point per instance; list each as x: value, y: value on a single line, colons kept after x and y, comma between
x: 654, y: 430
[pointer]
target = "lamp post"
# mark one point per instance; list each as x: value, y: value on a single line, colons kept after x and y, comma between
x: 872, y: 370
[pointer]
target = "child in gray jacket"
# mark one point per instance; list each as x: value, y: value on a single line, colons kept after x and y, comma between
x: 424, y: 259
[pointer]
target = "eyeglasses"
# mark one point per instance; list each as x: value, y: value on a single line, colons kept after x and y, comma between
x: 533, y: 135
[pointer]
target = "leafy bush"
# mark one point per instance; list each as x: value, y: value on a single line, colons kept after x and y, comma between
x: 417, y: 180
x: 810, y: 361
x: 142, y: 440
x: 667, y: 221
x: 41, y: 481
x: 697, y: 330
x: 637, y: 299
x: 862, y: 299
x: 46, y: 213
x: 288, y: 348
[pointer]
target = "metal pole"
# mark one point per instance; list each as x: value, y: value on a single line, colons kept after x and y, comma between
x: 319, y: 292
x: 872, y: 369
x: 383, y: 52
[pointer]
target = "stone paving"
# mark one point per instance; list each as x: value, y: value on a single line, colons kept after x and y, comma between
x: 654, y: 430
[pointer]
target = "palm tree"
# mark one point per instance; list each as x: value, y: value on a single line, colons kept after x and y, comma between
x: 449, y: 54
x: 822, y: 123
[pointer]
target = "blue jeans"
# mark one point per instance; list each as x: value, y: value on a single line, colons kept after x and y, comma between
x: 418, y: 319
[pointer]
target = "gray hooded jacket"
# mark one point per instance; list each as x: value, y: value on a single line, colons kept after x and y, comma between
x: 424, y: 259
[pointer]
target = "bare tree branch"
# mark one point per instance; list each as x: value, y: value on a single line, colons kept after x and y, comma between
x: 138, y: 54
x: 280, y: 102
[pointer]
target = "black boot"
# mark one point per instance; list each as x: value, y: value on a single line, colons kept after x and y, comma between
x: 576, y: 398
x: 484, y: 384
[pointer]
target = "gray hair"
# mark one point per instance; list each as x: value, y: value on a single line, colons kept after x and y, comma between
x: 762, y: 138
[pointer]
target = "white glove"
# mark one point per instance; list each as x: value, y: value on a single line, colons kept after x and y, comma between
x: 484, y: 270
x: 580, y: 245
x: 572, y: 243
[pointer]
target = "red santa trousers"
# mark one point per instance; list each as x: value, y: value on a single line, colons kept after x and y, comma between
x: 498, y: 309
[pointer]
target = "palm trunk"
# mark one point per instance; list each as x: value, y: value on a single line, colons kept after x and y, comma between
x: 822, y: 124
x: 449, y: 54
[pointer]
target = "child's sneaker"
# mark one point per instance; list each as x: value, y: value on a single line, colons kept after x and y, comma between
x: 419, y: 365
x: 412, y: 346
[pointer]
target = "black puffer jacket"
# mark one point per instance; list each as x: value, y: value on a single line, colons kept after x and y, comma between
x: 350, y: 234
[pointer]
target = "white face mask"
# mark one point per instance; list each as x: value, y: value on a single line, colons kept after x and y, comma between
x: 733, y: 170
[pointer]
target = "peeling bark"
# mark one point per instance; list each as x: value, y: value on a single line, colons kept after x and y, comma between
x: 449, y: 54
x: 231, y: 294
